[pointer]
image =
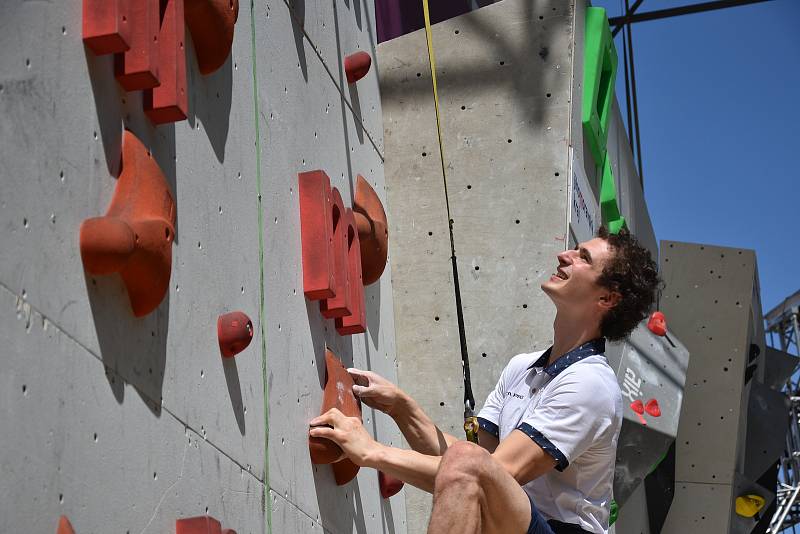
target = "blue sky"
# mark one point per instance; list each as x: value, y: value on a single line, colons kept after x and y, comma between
x: 719, y: 112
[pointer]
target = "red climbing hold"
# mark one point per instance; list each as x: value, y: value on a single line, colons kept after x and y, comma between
x: 373, y: 232
x: 105, y: 26
x: 135, y: 236
x: 64, y: 526
x: 653, y: 408
x: 338, y: 394
x: 137, y: 68
x: 341, y: 303
x: 211, y: 24
x: 235, y: 332
x: 203, y: 524
x: 356, y: 66
x: 316, y: 234
x: 356, y: 322
x: 638, y: 407
x: 344, y: 471
x: 389, y: 485
x: 657, y: 324
x: 169, y: 102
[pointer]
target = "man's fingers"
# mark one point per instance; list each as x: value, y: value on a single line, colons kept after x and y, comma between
x: 331, y: 417
x: 323, y: 432
x: 361, y: 377
x: 363, y: 391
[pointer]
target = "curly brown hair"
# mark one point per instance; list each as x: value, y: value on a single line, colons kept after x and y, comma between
x: 631, y: 272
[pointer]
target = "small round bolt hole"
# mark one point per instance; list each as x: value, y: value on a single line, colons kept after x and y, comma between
x: 436, y: 318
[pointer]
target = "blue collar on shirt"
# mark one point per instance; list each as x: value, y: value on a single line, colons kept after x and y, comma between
x: 590, y: 348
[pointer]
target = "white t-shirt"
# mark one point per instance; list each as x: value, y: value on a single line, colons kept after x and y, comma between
x: 573, y: 410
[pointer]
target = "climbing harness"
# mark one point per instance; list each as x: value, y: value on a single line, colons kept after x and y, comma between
x: 470, y: 421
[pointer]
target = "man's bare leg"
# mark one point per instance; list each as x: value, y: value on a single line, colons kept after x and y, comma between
x: 473, y: 494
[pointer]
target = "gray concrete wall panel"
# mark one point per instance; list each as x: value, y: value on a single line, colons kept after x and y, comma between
x: 634, y: 518
x: 648, y: 368
x: 704, y: 507
x: 110, y: 466
x: 630, y: 195
x: 768, y: 422
x: 60, y: 153
x: 778, y: 367
x: 66, y: 176
x: 507, y: 161
x: 306, y: 124
x: 428, y: 357
x: 717, y: 284
x: 504, y: 73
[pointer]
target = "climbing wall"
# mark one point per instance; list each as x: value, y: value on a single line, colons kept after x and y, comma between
x: 508, y: 77
x: 732, y: 425
x: 125, y: 419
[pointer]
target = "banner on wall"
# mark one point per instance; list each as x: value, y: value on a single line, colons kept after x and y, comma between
x: 584, y: 213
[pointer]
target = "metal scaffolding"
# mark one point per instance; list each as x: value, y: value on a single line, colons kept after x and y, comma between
x: 783, y: 326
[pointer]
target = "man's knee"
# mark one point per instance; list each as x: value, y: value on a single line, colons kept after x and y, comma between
x: 463, y: 463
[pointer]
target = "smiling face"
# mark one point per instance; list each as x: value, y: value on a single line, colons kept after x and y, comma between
x: 573, y: 287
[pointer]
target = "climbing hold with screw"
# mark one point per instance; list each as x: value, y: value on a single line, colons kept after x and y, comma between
x: 235, y: 332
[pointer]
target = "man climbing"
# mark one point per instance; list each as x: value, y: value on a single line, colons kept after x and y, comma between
x: 548, y: 432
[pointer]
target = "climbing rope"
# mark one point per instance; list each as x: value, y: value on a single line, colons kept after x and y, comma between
x: 470, y: 421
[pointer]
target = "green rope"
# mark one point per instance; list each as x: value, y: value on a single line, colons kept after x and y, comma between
x: 256, y: 114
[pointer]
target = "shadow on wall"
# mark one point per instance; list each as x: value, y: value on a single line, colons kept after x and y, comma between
x: 210, y: 101
x: 297, y: 10
x: 231, y: 371
x: 479, y: 77
x: 133, y: 350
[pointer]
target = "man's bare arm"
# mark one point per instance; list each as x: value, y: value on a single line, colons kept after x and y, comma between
x: 419, y: 430
x: 523, y: 458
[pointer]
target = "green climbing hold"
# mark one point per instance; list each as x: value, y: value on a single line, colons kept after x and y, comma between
x: 613, y: 513
x: 609, y: 208
x: 599, y: 74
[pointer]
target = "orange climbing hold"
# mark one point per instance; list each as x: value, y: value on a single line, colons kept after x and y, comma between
x: 203, y: 524
x: 338, y: 394
x: 653, y: 408
x: 356, y: 66
x: 235, y: 332
x: 64, y: 526
x: 344, y: 471
x: 106, y: 29
x: 341, y: 303
x: 657, y: 324
x: 373, y: 232
x: 211, y: 24
x: 169, y: 102
x: 356, y: 322
x: 134, y: 238
x: 389, y: 485
x: 316, y: 234
x: 137, y: 68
